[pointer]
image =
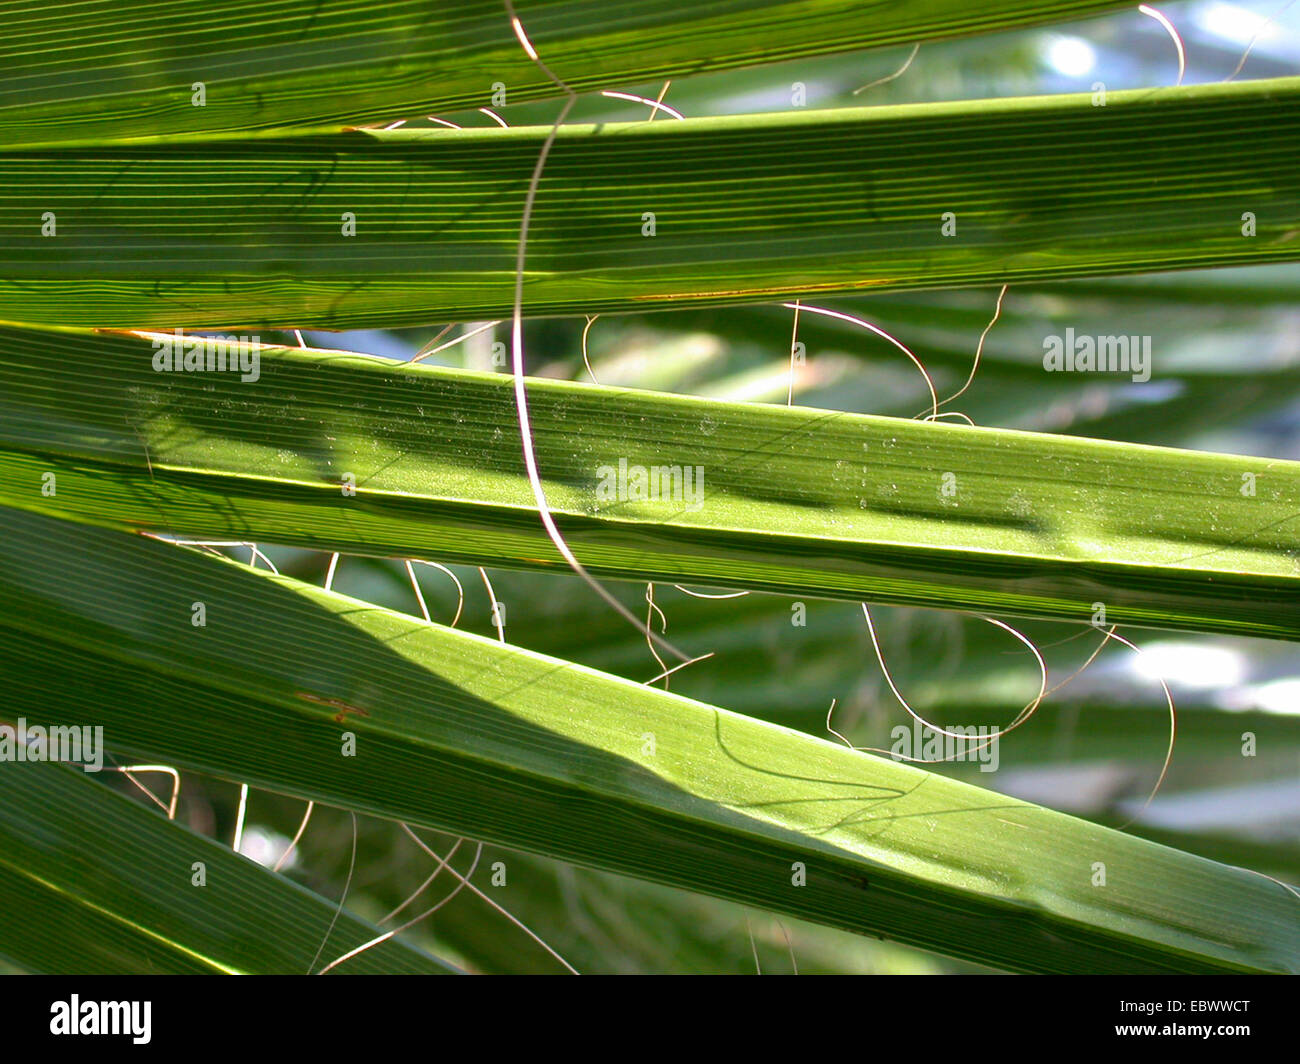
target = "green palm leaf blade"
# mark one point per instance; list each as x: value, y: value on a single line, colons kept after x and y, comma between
x: 127, y: 70
x: 797, y: 501
x: 255, y: 233
x: 461, y: 733
x: 91, y: 881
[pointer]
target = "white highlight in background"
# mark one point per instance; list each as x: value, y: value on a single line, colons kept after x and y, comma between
x: 1235, y: 24
x: 1071, y: 56
x: 1190, y: 665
